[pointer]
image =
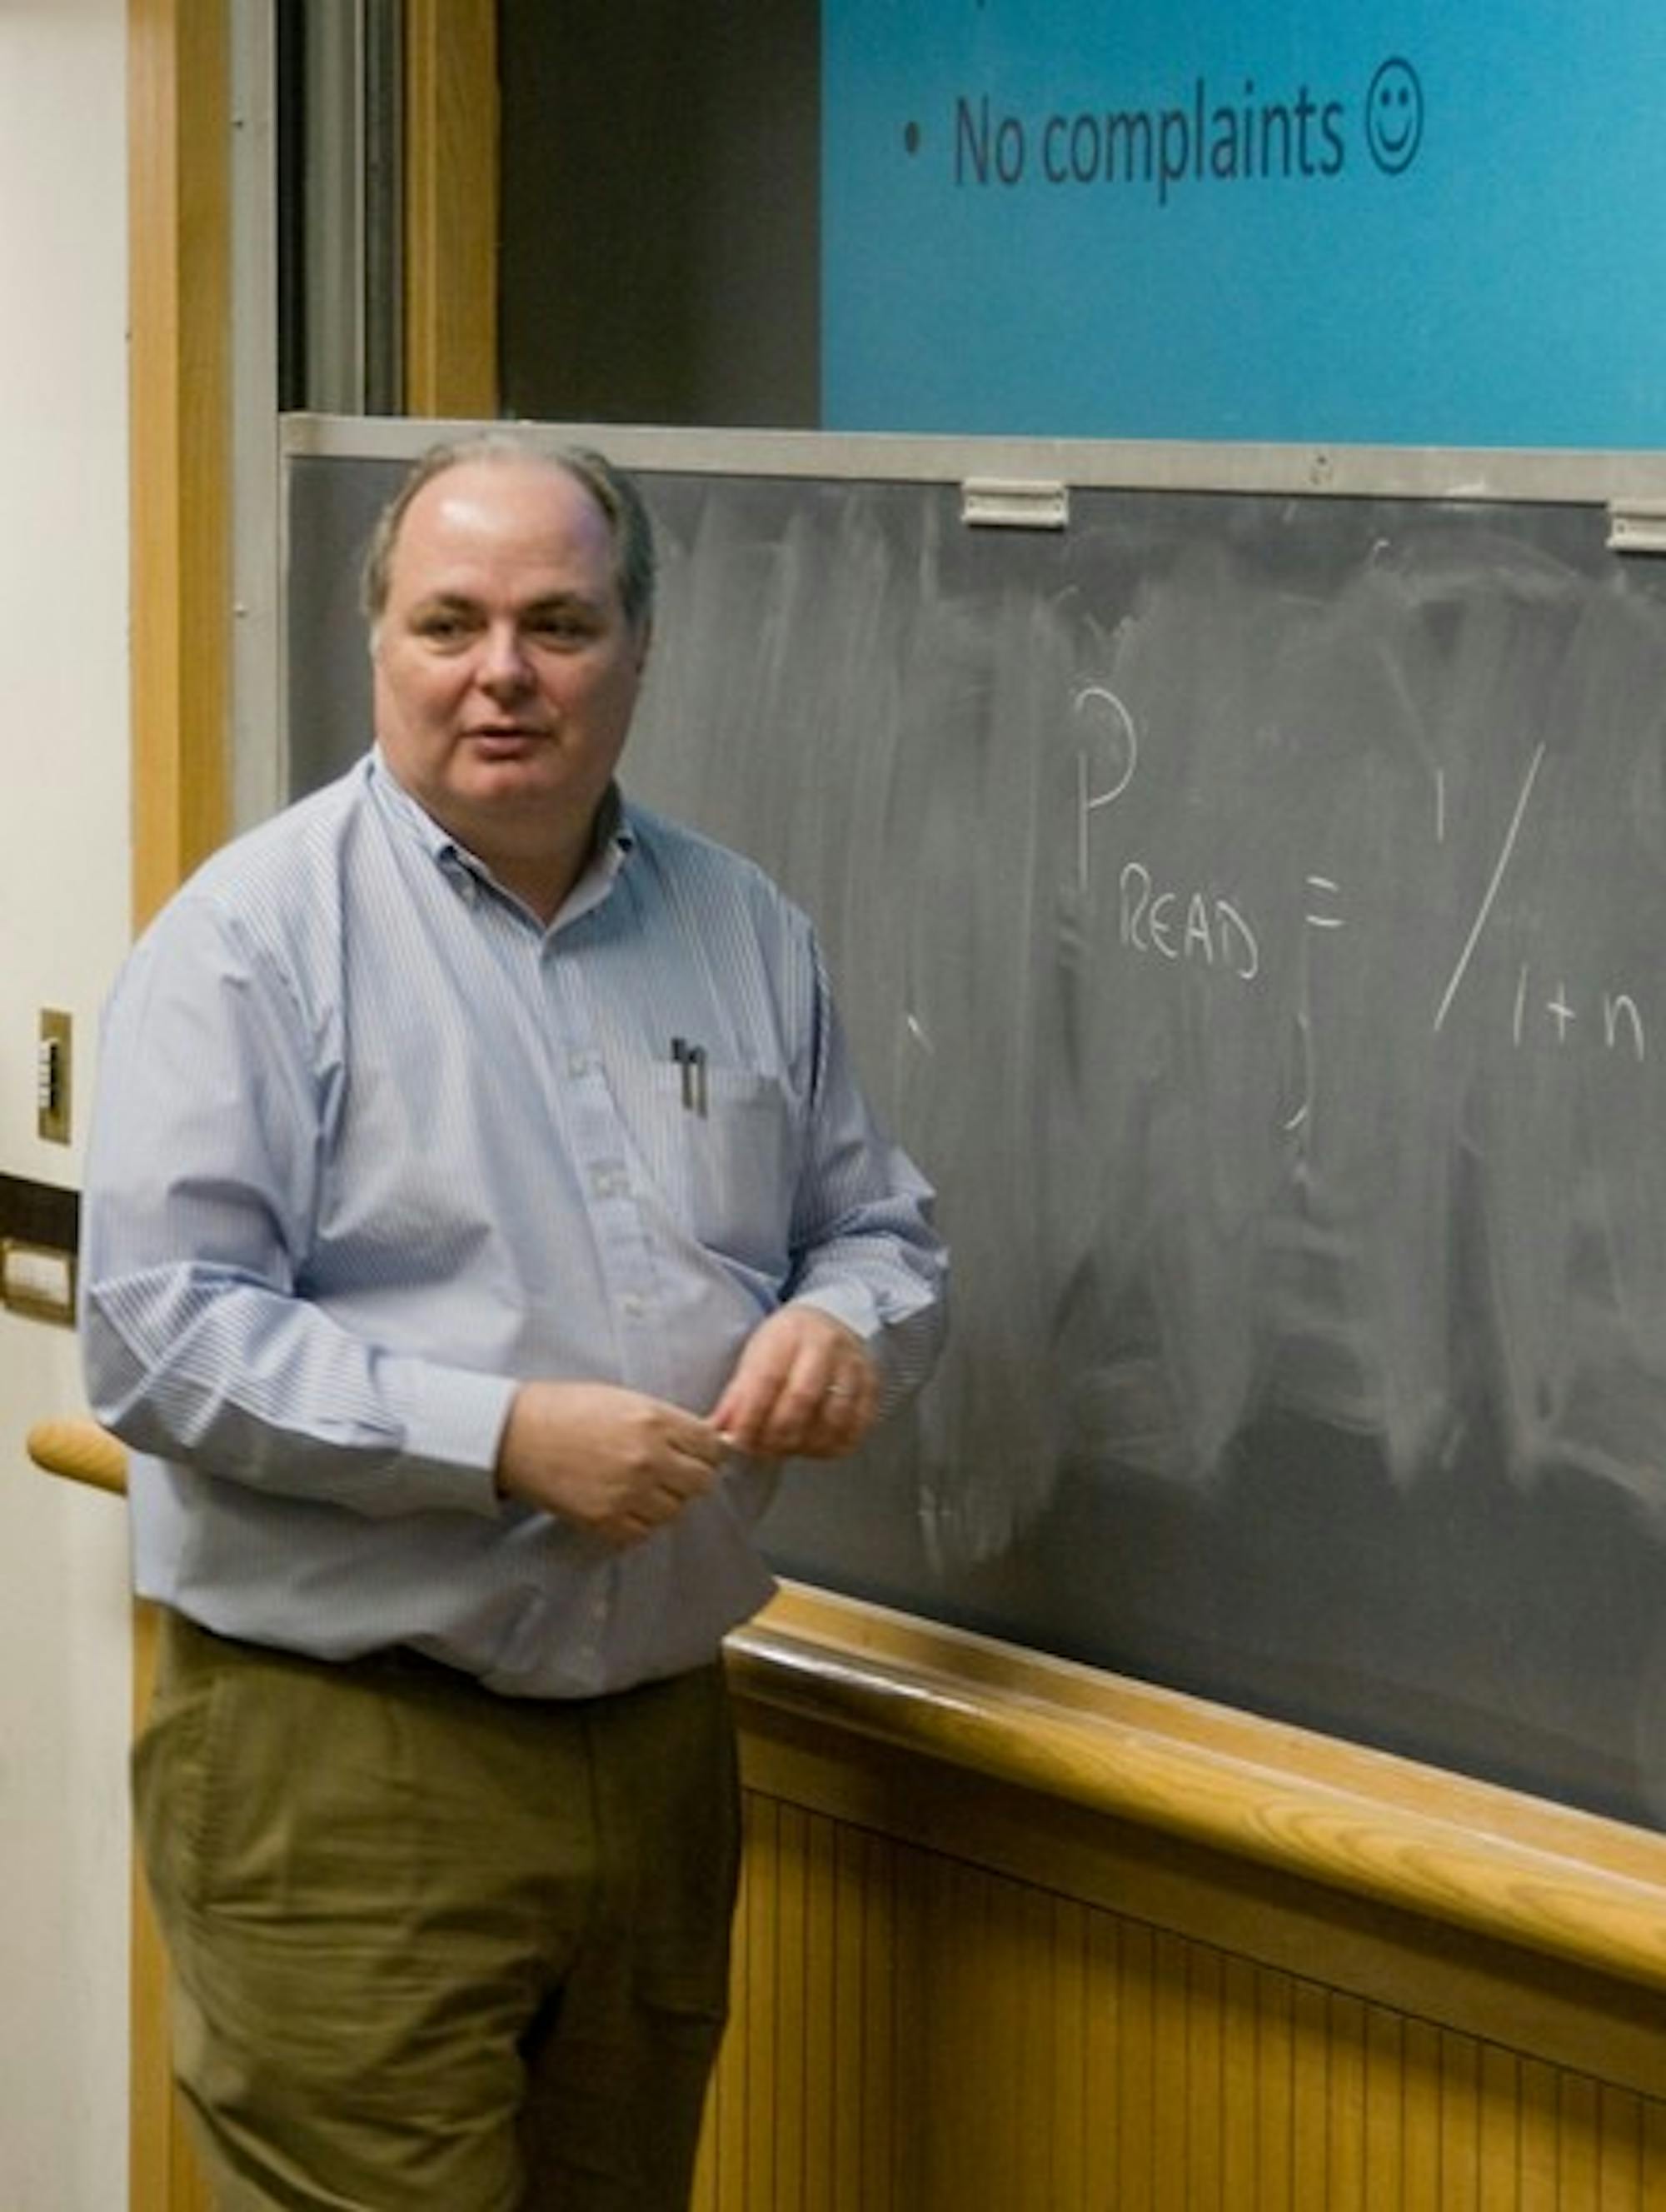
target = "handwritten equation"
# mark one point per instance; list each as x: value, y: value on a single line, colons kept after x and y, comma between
x: 1205, y: 925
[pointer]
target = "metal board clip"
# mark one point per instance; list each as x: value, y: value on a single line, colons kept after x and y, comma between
x: 1637, y: 526
x: 1001, y: 503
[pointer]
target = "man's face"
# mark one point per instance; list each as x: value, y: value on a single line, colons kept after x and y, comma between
x: 506, y: 673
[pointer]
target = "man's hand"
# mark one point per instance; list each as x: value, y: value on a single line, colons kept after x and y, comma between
x: 804, y: 1386
x: 614, y: 1461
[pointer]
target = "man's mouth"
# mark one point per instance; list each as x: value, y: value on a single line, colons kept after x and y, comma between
x: 497, y: 734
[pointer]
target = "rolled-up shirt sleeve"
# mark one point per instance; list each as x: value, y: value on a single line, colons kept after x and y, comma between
x: 200, y: 1343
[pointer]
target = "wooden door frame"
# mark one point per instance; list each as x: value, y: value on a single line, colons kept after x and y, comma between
x: 180, y: 475
x: 451, y: 208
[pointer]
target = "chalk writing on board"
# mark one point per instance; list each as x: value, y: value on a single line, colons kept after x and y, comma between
x: 1621, y: 1021
x: 1182, y: 925
x: 1246, y: 938
x: 1323, y: 888
x: 1186, y: 925
x: 1496, y: 880
x: 1103, y: 712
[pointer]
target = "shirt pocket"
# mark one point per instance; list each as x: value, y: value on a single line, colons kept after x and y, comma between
x: 718, y: 1146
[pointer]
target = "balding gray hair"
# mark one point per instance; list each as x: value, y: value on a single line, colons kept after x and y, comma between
x: 612, y: 488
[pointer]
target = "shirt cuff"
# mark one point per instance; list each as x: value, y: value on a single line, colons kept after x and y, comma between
x: 849, y: 1303
x: 453, y: 1424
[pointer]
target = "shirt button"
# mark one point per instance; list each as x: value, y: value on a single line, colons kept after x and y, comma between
x: 578, y: 1064
x: 633, y: 1307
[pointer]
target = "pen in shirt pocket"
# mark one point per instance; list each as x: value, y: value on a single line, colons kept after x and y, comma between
x: 691, y: 1060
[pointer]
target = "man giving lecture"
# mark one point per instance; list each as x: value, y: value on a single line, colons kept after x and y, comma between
x: 480, y: 1205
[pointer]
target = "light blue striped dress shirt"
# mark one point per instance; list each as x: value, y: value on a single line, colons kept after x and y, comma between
x: 372, y: 1144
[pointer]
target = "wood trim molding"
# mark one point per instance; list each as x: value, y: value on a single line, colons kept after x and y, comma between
x: 451, y: 208
x: 179, y: 492
x: 180, y: 296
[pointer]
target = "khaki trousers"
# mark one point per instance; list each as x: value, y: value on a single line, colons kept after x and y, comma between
x: 435, y: 1948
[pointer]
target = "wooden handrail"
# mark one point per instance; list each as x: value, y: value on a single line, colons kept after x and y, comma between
x: 1465, y: 1853
x: 81, y: 1452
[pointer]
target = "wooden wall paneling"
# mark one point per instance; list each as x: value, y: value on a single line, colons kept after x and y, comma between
x: 1501, y: 2112
x: 1062, y: 2102
x: 1204, y: 2146
x: 1164, y: 2126
x: 1460, y: 2118
x: 1385, y: 2110
x: 758, y: 2005
x: 1050, y: 2047
x: 855, y: 1915
x: 1608, y: 2027
x: 1620, y: 2134
x: 965, y: 2004
x: 742, y: 2059
x: 822, y: 2066
x: 1578, y: 2142
x: 1014, y: 1978
x: 1421, y: 2182
x: 722, y: 2145
x: 799, y: 1944
x: 1348, y: 2021
x: 1046, y: 2051
x: 990, y: 1997
x: 1134, y: 2163
x: 1102, y: 1995
x: 1239, y: 2071
x: 881, y: 2124
x: 909, y: 2115
x: 932, y: 2024
x: 1537, y: 2090
x: 1653, y: 2139
x: 1310, y: 2092
x: 1275, y: 2073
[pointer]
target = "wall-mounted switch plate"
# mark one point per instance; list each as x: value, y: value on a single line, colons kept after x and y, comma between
x: 38, y: 1279
x: 52, y: 1076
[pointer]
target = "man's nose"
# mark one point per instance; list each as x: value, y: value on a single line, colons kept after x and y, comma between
x: 504, y: 666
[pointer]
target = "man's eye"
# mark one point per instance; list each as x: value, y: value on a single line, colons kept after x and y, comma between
x: 443, y: 630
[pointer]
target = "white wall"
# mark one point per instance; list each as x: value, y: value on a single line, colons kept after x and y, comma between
x: 64, y: 896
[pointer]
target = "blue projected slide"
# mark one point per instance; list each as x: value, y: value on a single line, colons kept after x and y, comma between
x: 1401, y: 224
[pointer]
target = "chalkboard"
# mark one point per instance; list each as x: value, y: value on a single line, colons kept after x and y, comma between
x: 1251, y: 910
